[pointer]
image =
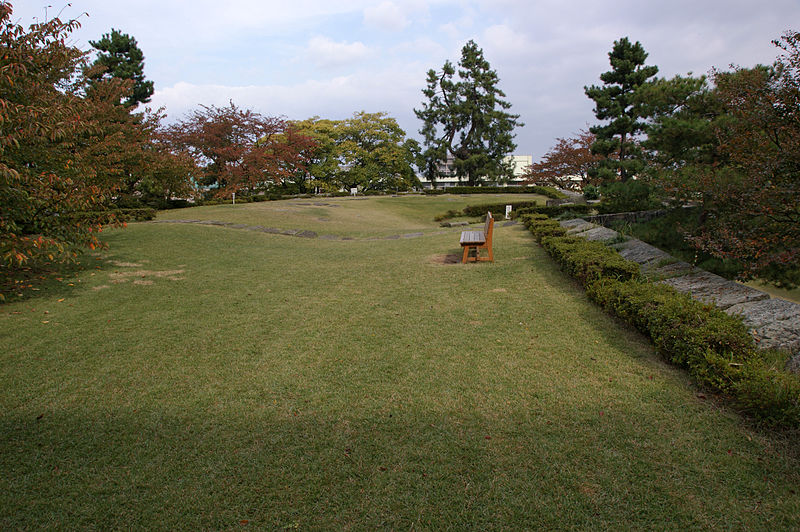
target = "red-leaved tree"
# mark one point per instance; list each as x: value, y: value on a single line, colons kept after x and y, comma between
x: 238, y: 149
x: 566, y: 165
x: 752, y: 211
x: 62, y: 147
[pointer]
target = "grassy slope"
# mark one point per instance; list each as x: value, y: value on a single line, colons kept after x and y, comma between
x: 288, y: 382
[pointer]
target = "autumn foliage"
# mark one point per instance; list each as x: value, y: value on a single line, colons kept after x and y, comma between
x: 54, y: 145
x: 567, y: 164
x: 69, y: 150
x: 239, y: 150
x: 752, y: 206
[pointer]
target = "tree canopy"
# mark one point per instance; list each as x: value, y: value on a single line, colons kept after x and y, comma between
x: 68, y: 150
x: 119, y: 56
x: 570, y: 158
x: 368, y: 151
x: 466, y: 120
x: 238, y: 149
x: 616, y: 103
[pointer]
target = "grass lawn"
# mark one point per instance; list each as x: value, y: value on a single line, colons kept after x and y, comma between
x: 356, y: 217
x: 782, y: 293
x: 203, y: 377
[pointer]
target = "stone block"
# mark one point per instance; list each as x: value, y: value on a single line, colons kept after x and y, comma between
x: 674, y: 269
x: 641, y: 253
x: 597, y: 234
x: 569, y: 224
x: 774, y: 323
x: 710, y: 288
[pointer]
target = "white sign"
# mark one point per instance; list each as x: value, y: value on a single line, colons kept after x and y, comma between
x: 234, y: 197
x: 508, y: 212
x: 354, y: 191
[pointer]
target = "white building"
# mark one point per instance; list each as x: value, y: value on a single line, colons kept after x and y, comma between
x: 447, y: 175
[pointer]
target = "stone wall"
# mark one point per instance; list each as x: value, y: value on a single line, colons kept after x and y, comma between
x: 773, y: 323
x: 630, y: 217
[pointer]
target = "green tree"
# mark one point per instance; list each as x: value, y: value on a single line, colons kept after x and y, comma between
x: 467, y: 120
x: 323, y: 158
x: 119, y: 56
x: 373, y: 153
x: 753, y: 212
x: 368, y: 151
x: 681, y: 112
x: 616, y: 102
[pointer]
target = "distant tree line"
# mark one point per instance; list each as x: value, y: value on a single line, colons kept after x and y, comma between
x: 75, y: 145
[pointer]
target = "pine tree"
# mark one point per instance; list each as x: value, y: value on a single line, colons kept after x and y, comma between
x: 615, y: 101
x: 467, y: 119
x: 120, y: 57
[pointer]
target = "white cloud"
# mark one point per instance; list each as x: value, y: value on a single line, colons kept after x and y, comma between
x: 422, y: 47
x: 326, y: 53
x: 504, y: 40
x: 394, y: 90
x: 385, y: 16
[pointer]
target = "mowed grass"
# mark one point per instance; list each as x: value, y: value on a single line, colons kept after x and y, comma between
x: 213, y: 378
x: 356, y: 217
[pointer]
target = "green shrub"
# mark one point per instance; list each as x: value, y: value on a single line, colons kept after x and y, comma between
x: 627, y: 197
x: 550, y: 192
x: 498, y: 209
x: 591, y: 192
x: 768, y: 394
x: 541, y: 226
x: 113, y: 216
x: 433, y: 191
x: 556, y: 210
x: 713, y: 346
x: 588, y: 261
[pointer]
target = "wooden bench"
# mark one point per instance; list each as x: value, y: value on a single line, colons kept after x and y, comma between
x: 478, y: 239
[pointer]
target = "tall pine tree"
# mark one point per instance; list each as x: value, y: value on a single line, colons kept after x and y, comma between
x: 615, y: 101
x: 467, y: 119
x: 119, y: 56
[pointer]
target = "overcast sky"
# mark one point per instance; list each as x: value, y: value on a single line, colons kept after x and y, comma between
x: 301, y: 58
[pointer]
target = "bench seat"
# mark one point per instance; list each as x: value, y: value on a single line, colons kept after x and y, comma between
x: 475, y: 240
x: 473, y: 237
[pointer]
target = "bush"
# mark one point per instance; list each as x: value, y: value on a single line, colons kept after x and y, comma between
x: 627, y: 197
x: 713, y: 346
x: 591, y: 192
x: 497, y: 209
x: 541, y: 226
x: 557, y: 210
x: 115, y: 216
x: 588, y: 261
x: 550, y: 192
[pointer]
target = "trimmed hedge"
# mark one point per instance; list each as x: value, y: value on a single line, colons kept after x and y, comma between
x: 541, y: 226
x: 715, y: 347
x: 588, y: 261
x: 556, y: 210
x: 498, y: 209
x: 550, y: 192
x: 113, y: 216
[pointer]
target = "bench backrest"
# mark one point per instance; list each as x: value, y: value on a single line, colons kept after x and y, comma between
x: 488, y: 227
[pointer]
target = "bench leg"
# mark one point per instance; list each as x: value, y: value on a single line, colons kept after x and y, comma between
x: 466, y: 254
